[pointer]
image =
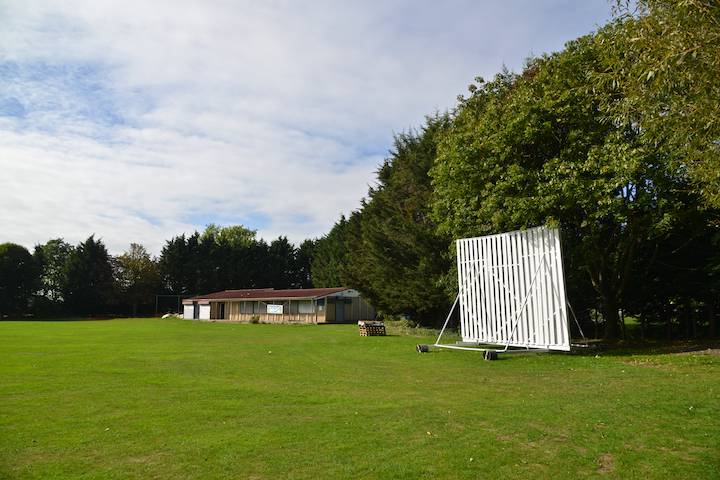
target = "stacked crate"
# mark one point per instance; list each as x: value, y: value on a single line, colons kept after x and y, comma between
x: 371, y: 328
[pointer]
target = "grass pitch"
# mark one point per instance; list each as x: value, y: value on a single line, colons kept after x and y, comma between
x: 149, y: 398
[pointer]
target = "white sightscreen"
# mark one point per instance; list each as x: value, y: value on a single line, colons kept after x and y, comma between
x: 512, y: 289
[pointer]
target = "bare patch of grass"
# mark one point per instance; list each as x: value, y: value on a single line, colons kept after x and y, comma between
x: 606, y: 464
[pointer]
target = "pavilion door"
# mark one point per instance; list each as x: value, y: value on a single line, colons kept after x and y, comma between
x: 221, y: 311
x: 339, y: 311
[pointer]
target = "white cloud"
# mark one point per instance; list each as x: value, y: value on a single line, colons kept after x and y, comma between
x: 141, y: 119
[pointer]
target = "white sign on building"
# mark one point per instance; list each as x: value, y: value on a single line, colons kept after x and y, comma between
x: 275, y: 309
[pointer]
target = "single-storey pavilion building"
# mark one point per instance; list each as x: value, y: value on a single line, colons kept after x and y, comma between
x: 300, y: 305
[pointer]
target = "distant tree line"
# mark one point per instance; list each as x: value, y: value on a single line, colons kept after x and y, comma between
x: 62, y: 279
x: 615, y: 139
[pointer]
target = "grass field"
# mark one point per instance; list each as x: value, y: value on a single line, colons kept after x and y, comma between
x: 147, y: 398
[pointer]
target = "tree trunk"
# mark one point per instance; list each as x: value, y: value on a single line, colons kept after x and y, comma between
x: 711, y: 319
x: 612, y: 319
x: 596, y: 323
x: 642, y: 329
x: 608, y: 299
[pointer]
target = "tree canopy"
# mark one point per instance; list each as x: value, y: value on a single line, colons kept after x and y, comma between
x: 397, y: 257
x: 614, y: 139
x: 19, y: 275
x: 535, y: 148
x: 89, y: 286
x: 663, y: 59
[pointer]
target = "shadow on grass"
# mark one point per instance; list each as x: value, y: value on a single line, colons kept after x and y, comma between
x: 648, y: 347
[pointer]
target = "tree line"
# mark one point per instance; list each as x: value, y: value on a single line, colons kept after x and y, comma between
x: 615, y: 140
x: 61, y: 279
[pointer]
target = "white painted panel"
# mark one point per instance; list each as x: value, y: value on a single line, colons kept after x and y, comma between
x: 512, y: 289
x: 274, y: 309
x: 187, y: 312
x: 461, y: 294
x: 204, y: 312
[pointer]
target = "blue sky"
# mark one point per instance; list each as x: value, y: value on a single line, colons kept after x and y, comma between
x: 138, y: 121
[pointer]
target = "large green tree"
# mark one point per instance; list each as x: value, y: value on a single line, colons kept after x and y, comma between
x: 662, y: 57
x: 280, y: 263
x: 138, y: 277
x: 19, y: 278
x: 90, y: 284
x: 232, y: 257
x: 535, y: 148
x: 51, y: 257
x: 397, y: 257
x: 177, y: 265
x: 304, y: 256
x: 331, y: 257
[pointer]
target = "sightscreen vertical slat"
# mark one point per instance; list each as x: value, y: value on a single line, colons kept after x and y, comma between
x: 497, y: 298
x: 483, y: 296
x: 501, y: 289
x: 461, y: 286
x: 487, y: 298
x: 552, y: 300
x: 507, y: 324
x: 542, y: 335
x: 472, y: 254
x: 563, y: 324
x: 478, y: 289
x: 532, y: 292
x: 467, y: 334
x: 546, y: 287
x: 517, y: 314
x: 525, y: 285
x: 466, y: 295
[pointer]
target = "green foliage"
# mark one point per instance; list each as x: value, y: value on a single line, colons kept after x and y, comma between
x: 138, y: 276
x: 396, y: 257
x: 663, y: 58
x: 331, y: 256
x: 19, y: 277
x: 303, y: 264
x: 231, y: 257
x: 178, y: 264
x: 280, y: 263
x: 234, y: 236
x: 89, y: 285
x: 534, y: 149
x: 51, y: 258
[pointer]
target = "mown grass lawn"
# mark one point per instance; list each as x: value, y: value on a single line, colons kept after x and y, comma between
x: 148, y: 398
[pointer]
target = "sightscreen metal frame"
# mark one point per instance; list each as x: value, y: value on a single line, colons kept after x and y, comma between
x: 511, y: 291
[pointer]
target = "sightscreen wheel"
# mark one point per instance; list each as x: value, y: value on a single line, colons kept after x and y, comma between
x: 422, y: 348
x: 490, y: 355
